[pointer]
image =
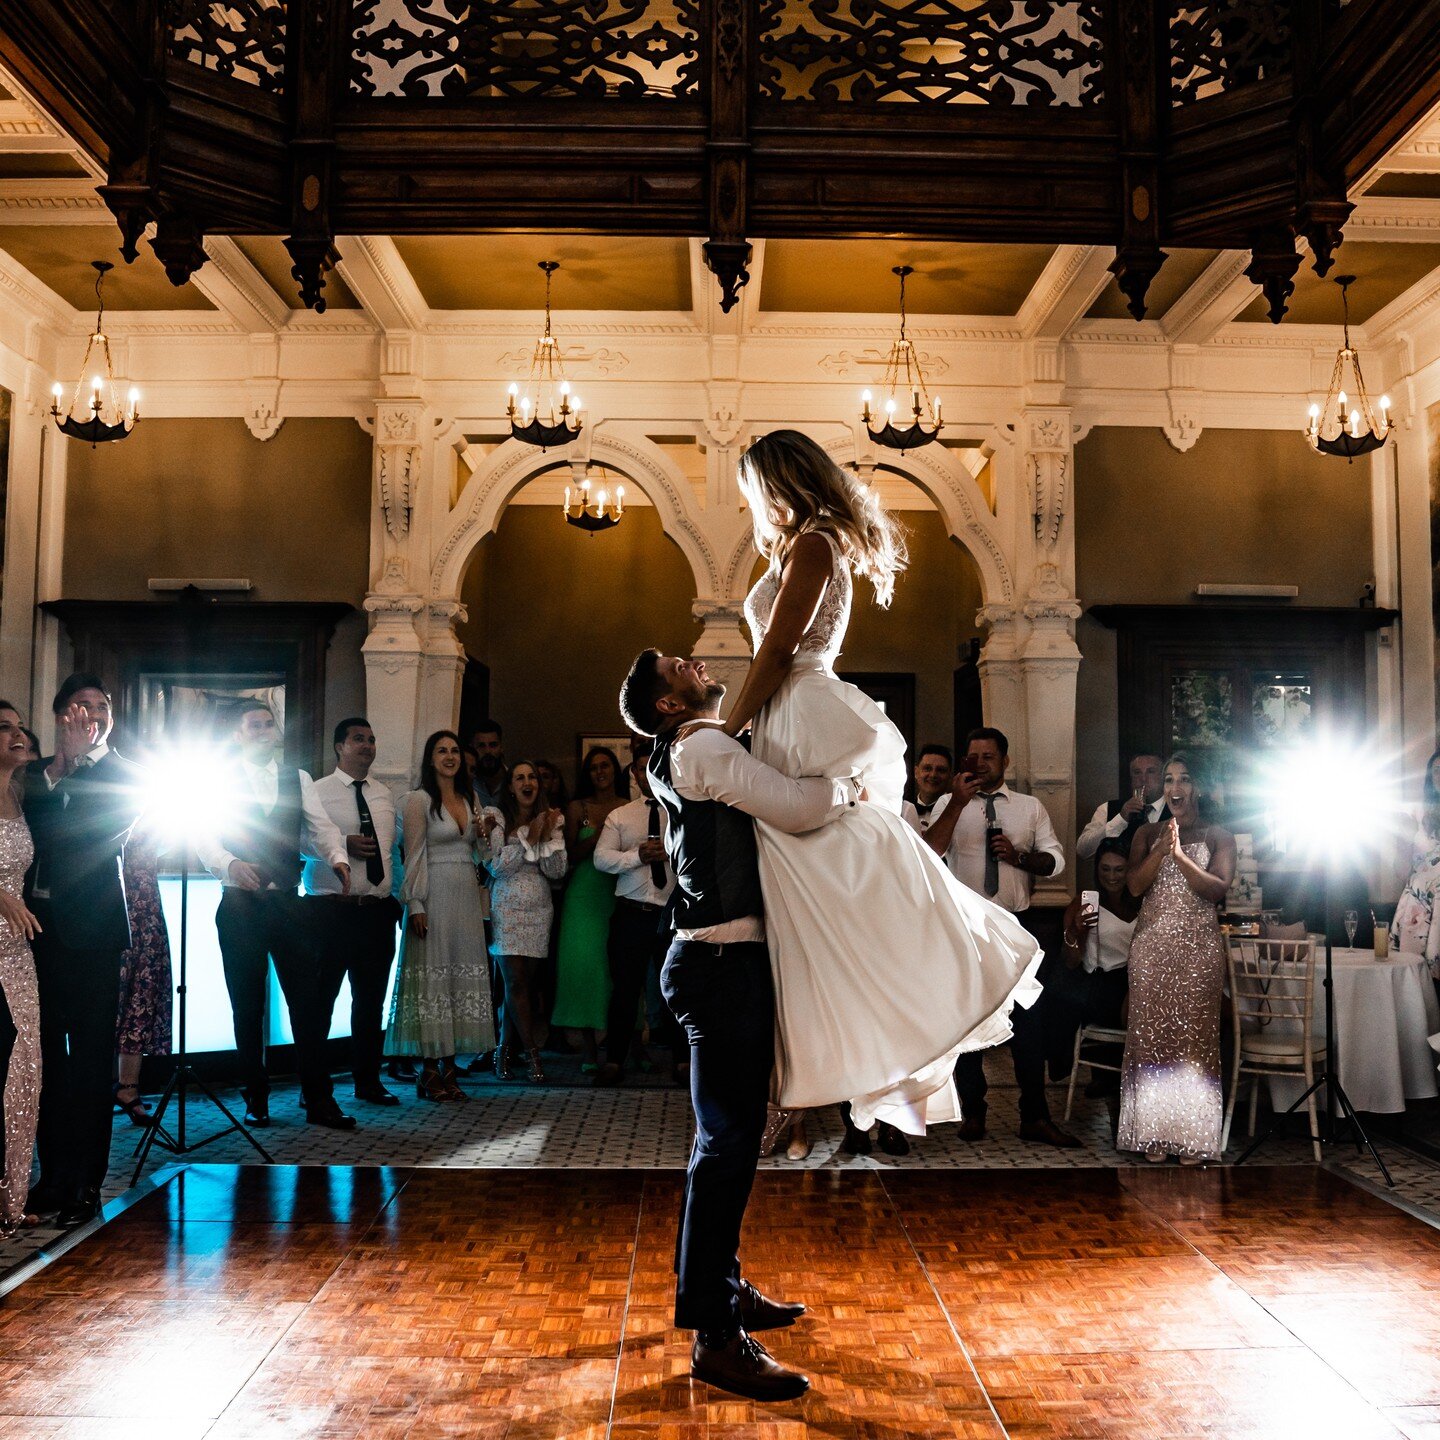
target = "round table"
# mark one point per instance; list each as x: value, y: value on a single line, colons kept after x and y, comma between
x: 1385, y: 1012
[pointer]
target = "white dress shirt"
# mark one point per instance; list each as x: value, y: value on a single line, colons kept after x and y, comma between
x: 617, y: 852
x: 1103, y: 827
x: 912, y: 815
x: 1025, y: 823
x: 1113, y: 936
x: 261, y: 781
x: 331, y: 814
x: 710, y: 765
x: 93, y: 756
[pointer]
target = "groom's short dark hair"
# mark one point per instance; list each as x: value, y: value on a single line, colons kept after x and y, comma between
x: 644, y: 686
x: 989, y: 732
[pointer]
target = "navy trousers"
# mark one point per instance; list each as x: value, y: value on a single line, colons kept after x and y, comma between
x: 724, y: 1000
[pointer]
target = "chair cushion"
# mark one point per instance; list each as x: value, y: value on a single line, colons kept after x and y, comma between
x: 1276, y: 1046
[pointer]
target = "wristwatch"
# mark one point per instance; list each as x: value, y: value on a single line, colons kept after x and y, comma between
x: 1022, y: 859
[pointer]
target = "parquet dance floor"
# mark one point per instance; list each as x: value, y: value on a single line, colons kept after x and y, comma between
x: 378, y: 1303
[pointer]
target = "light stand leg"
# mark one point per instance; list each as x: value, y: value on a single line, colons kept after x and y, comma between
x: 184, y: 1073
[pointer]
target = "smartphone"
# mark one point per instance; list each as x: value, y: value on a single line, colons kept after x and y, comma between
x: 1090, y: 899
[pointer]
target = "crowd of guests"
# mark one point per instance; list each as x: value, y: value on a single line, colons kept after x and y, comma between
x: 531, y: 921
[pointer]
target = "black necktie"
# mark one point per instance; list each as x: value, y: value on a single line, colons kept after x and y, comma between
x: 992, y: 860
x: 375, y: 865
x: 658, y: 876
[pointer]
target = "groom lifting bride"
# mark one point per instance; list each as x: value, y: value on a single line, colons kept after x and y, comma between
x: 816, y: 934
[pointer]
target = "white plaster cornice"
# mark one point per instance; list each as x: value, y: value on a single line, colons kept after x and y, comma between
x: 373, y: 268
x: 237, y: 289
x: 1065, y: 289
x: 1392, y: 219
x: 1220, y: 293
x: 51, y: 202
x: 37, y: 299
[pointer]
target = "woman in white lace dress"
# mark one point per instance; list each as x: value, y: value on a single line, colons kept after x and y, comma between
x: 886, y: 967
x: 442, y: 998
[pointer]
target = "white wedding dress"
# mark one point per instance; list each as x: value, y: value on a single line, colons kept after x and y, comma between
x: 886, y: 967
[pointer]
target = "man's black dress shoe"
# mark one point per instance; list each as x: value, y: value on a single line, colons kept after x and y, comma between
x: 893, y: 1141
x: 856, y: 1141
x: 759, y: 1312
x: 482, y: 1064
x: 375, y: 1095
x: 257, y: 1110
x: 83, y: 1207
x: 744, y: 1366
x: 1047, y: 1132
x: 400, y: 1070
x: 329, y: 1114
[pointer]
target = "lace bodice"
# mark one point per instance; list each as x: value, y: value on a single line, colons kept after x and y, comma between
x: 826, y: 634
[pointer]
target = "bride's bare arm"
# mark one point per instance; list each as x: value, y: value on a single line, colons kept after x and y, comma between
x: 802, y: 587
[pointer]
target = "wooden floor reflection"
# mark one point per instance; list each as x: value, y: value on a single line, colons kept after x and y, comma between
x: 378, y: 1303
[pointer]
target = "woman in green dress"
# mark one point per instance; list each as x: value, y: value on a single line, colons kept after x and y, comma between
x: 582, y: 984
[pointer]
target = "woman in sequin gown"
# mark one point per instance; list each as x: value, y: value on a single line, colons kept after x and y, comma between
x: 1170, y: 1092
x: 19, y: 996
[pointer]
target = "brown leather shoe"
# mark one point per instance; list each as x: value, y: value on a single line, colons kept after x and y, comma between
x: 1047, y: 1132
x: 759, y: 1312
x: 745, y: 1367
x: 972, y: 1126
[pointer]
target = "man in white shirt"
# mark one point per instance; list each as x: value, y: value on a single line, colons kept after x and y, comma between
x: 934, y: 770
x: 996, y: 841
x: 718, y: 984
x: 350, y: 827
x: 255, y: 854
x: 1119, y: 819
x: 632, y: 848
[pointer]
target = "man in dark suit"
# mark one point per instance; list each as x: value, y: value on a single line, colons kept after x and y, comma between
x: 255, y: 853
x: 80, y: 804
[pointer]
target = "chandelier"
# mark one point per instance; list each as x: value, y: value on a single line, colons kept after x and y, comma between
x: 545, y: 414
x: 100, y: 417
x: 588, y: 512
x: 903, y: 377
x: 1345, y: 424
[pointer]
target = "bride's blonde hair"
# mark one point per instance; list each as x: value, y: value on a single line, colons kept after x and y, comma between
x: 794, y: 486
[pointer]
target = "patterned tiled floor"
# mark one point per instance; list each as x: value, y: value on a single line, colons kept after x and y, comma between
x: 363, y: 1303
x: 645, y: 1125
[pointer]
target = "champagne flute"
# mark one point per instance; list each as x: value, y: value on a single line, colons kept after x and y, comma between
x: 1352, y: 924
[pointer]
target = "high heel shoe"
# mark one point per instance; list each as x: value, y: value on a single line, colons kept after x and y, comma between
x: 450, y: 1079
x: 431, y: 1086
x: 799, y: 1146
x: 137, y: 1110
x: 537, y: 1071
x: 502, y: 1063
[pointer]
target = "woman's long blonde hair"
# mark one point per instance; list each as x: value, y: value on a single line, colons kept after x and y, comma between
x: 794, y: 486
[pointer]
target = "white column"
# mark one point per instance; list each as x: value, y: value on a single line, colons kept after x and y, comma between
x: 1415, y: 592
x: 1392, y: 863
x: 1050, y: 662
x: 1049, y: 657
x: 25, y: 486
x: 724, y: 643
x: 1002, y: 684
x: 397, y: 643
x: 442, y: 666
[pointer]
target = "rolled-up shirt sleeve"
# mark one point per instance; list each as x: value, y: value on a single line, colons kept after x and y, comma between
x: 611, y: 857
x: 1047, y: 842
x: 718, y: 767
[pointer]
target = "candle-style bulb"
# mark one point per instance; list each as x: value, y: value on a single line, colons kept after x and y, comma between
x: 57, y: 390
x: 619, y: 501
x: 567, y: 499
x: 890, y: 408
x: 1343, y: 400
x: 1355, y: 423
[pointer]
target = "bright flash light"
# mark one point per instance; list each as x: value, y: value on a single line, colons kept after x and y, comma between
x: 190, y: 792
x: 1330, y: 799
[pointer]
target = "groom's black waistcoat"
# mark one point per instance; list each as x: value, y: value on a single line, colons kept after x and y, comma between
x: 712, y: 850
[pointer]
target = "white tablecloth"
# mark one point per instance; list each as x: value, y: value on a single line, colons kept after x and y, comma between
x: 1385, y: 1011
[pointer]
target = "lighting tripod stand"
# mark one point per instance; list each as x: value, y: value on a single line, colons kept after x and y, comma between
x: 1328, y: 1078
x: 183, y: 1075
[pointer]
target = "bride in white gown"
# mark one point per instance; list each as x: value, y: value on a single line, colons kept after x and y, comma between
x: 886, y: 967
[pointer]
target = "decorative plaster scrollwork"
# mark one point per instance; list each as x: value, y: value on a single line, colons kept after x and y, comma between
x: 1047, y: 470
x: 397, y: 463
x: 851, y: 362
x: 603, y: 361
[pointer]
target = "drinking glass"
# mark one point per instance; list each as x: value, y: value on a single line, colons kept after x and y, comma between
x: 1352, y: 924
